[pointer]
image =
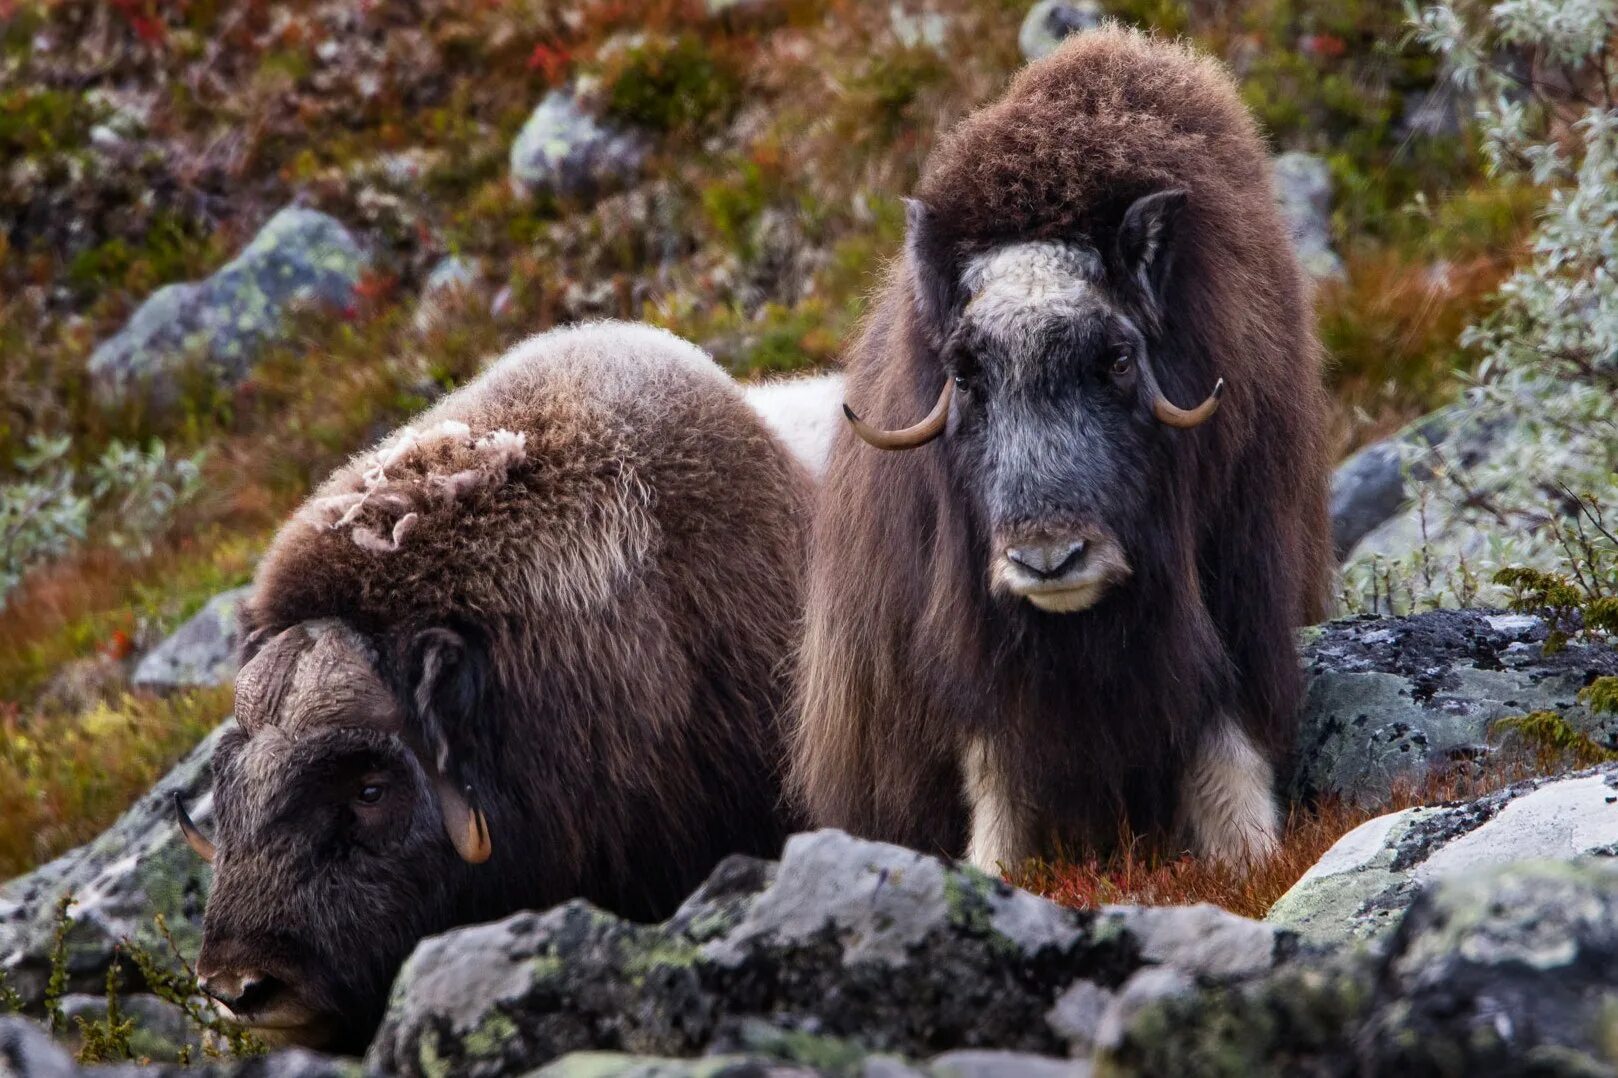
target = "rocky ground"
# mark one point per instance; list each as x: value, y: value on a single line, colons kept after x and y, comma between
x: 1473, y: 932
x: 240, y: 240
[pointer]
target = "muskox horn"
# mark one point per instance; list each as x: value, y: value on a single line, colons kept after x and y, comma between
x: 909, y: 437
x: 193, y: 837
x: 464, y: 821
x: 1174, y: 416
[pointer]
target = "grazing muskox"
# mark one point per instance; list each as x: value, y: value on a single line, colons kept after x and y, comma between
x: 529, y: 648
x: 1070, y: 604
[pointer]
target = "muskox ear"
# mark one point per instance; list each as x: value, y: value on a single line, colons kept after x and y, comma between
x: 928, y: 256
x: 448, y: 672
x: 1145, y: 249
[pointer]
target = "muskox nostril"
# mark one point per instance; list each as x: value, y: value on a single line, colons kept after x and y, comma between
x: 242, y: 993
x: 1047, y: 561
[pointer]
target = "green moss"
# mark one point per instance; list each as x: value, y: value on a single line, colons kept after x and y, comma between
x: 547, y: 966
x: 489, y: 1039
x: 650, y: 952
x: 171, y: 248
x: 38, y: 120
x: 734, y: 202
x: 670, y: 84
x: 1550, y: 737
x: 1302, y: 1021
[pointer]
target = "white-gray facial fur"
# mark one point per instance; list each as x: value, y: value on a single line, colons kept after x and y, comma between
x: 1030, y: 306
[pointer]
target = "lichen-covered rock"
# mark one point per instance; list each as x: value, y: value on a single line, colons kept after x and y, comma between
x: 138, y: 868
x: 1366, y: 881
x: 200, y: 652
x: 1504, y: 970
x: 299, y: 257
x: 1303, y: 192
x: 1389, y: 698
x: 881, y: 947
x: 564, y: 150
x: 1049, y: 21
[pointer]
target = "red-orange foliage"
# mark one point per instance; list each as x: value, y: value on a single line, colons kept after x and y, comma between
x: 1135, y: 873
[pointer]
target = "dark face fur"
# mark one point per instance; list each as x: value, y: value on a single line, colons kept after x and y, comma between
x: 332, y: 857
x: 1051, y: 436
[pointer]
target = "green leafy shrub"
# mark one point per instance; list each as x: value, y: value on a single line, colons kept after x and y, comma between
x: 130, y: 493
x: 1543, y: 399
x: 675, y: 83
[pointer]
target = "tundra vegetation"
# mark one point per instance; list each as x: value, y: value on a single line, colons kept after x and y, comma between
x: 145, y: 143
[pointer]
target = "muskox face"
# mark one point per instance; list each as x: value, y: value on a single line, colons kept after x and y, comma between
x: 332, y: 855
x: 1051, y: 414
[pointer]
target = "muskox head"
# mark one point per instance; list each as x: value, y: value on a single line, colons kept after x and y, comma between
x: 1050, y: 353
x: 344, y: 823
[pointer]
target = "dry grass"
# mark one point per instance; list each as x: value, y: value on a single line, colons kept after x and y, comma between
x: 1138, y: 874
x: 65, y: 777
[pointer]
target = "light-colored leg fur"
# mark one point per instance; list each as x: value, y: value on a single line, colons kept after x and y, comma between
x: 1227, y: 808
x: 1000, y: 823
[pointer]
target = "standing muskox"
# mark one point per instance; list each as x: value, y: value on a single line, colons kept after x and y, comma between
x: 1073, y: 608
x: 541, y: 628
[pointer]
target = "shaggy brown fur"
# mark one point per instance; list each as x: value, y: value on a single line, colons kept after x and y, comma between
x: 570, y: 584
x: 907, y: 656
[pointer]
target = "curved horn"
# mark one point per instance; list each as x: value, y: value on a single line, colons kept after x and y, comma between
x: 467, y: 827
x: 193, y: 836
x: 909, y: 437
x: 1174, y: 416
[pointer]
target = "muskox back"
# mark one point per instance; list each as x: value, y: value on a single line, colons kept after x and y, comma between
x: 554, y: 609
x: 1108, y: 226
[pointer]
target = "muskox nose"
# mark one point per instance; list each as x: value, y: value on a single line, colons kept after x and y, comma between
x: 243, y: 992
x: 1047, y: 561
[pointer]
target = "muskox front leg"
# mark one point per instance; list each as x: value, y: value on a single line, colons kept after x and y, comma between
x: 1227, y: 805
x: 1000, y: 819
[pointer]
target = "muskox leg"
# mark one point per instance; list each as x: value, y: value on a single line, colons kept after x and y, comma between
x: 1227, y: 806
x: 1000, y: 821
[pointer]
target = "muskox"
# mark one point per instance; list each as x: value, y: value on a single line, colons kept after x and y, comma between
x: 1060, y: 607
x: 528, y: 648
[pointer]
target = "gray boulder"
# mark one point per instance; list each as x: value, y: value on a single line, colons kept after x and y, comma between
x: 1366, y: 881
x: 1049, y: 21
x: 1505, y: 970
x: 200, y: 652
x: 27, y: 1051
x: 299, y: 257
x: 1366, y: 489
x: 845, y: 941
x: 1392, y: 698
x: 1303, y: 193
x: 563, y: 150
x: 139, y: 868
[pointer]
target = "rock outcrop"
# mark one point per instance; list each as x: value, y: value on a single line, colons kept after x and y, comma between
x: 845, y: 942
x: 1503, y: 970
x: 1366, y: 881
x: 564, y: 150
x: 221, y: 323
x: 201, y: 652
x: 1392, y: 698
x: 139, y: 868
x: 1303, y: 191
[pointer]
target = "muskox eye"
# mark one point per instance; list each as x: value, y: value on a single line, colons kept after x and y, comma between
x: 369, y: 794
x: 1122, y: 364
x: 961, y: 384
